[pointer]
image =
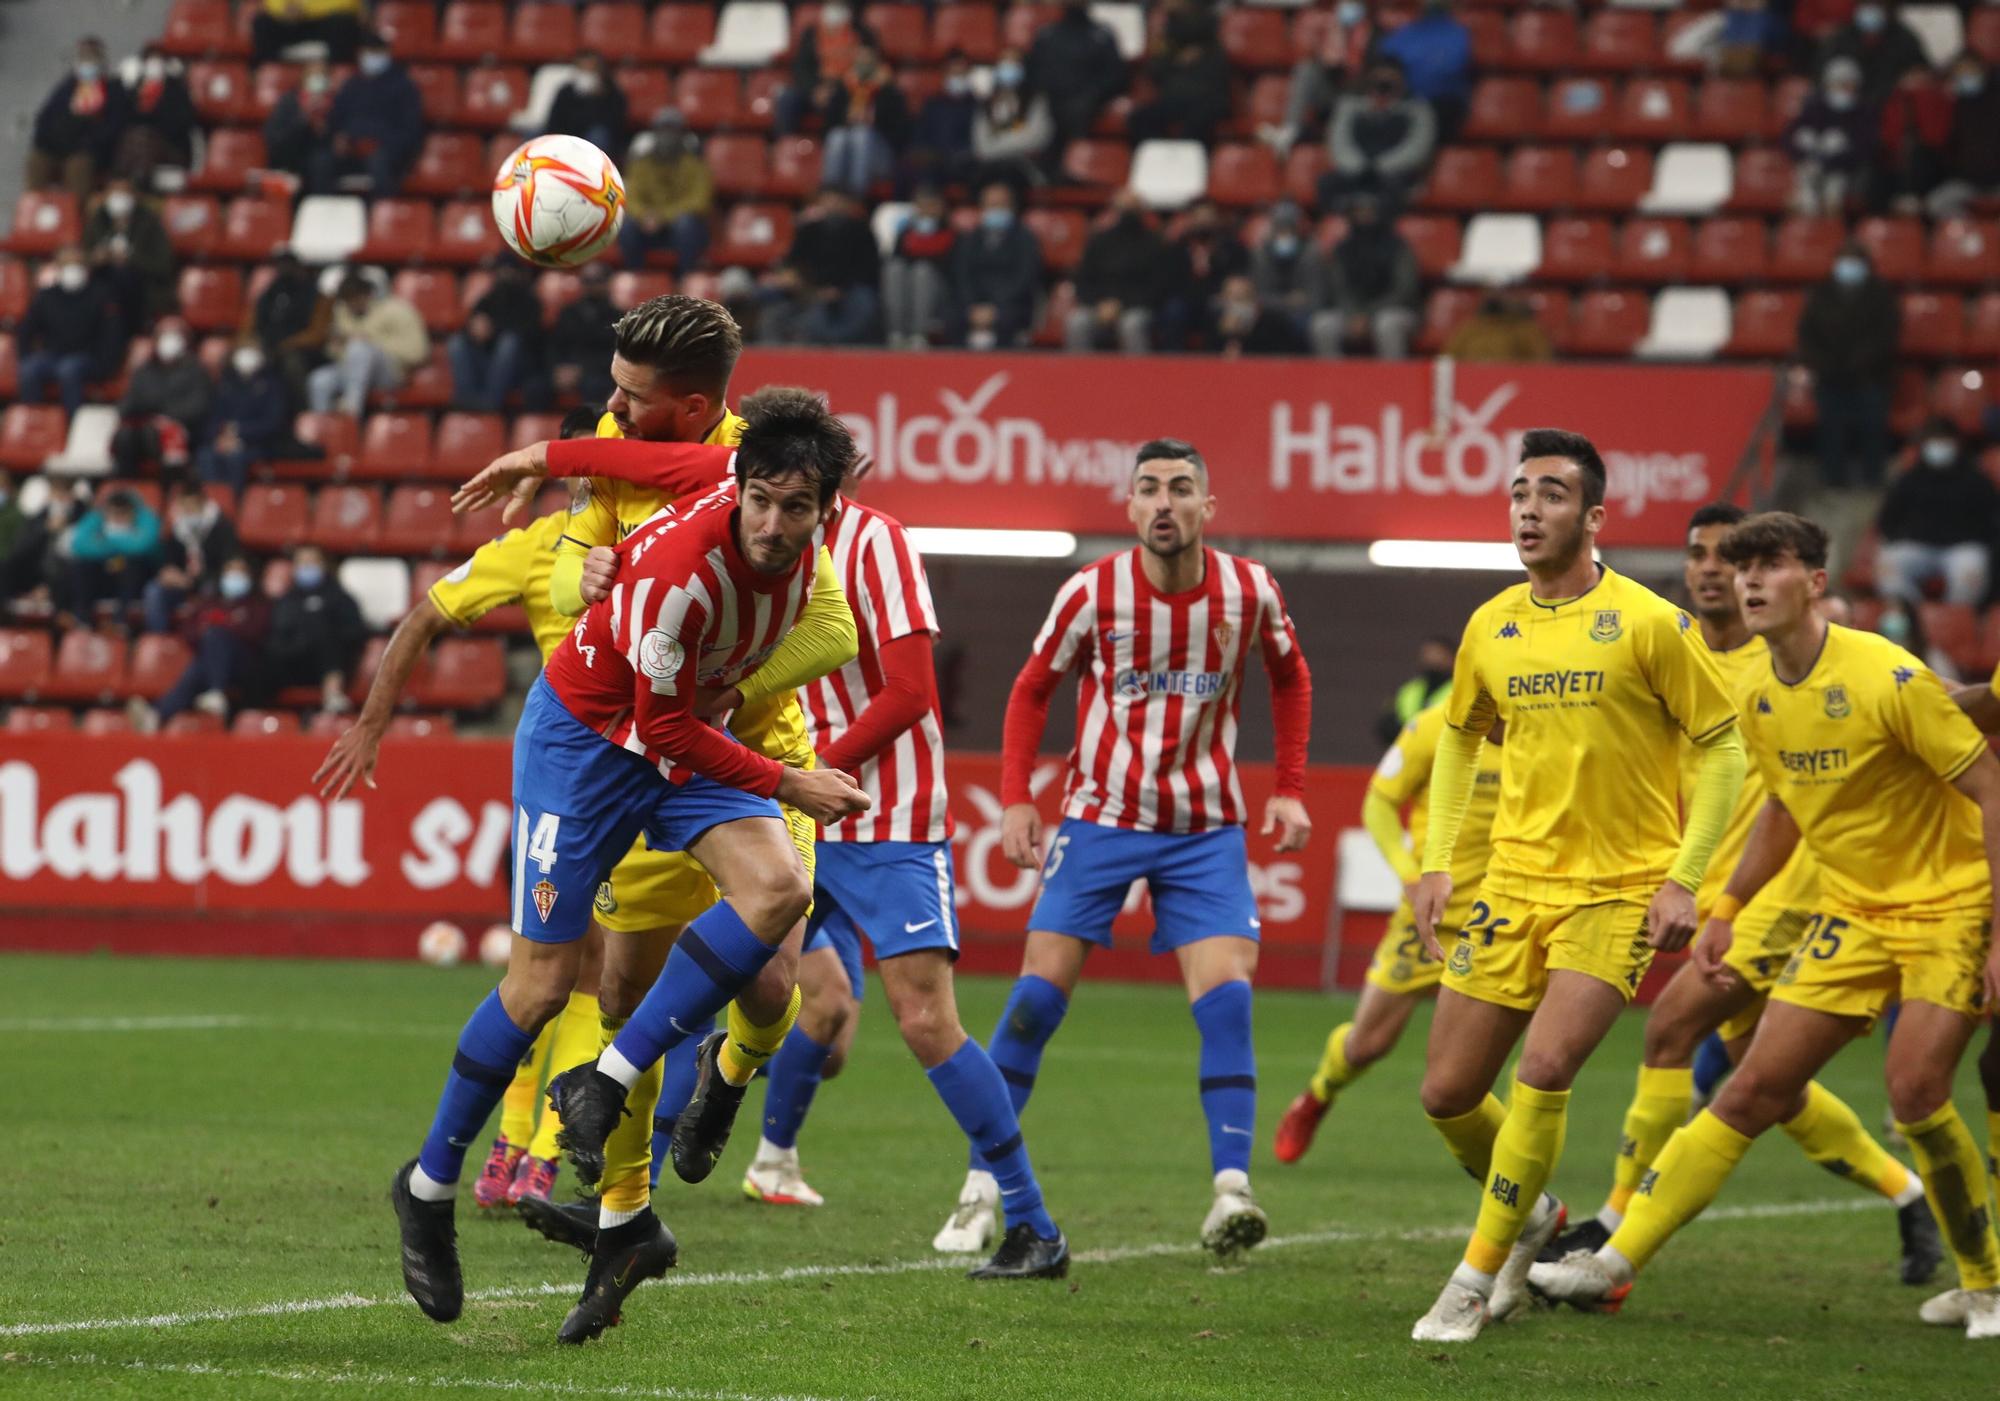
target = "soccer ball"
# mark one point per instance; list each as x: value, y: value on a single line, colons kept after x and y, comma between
x: 494, y: 946
x: 558, y: 201
x: 442, y: 944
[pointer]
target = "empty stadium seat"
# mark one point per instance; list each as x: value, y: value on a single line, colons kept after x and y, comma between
x: 971, y: 29
x: 158, y: 659
x: 740, y: 163
x: 465, y: 233
x: 1061, y: 233
x: 409, y: 26
x: 337, y: 435
x: 1982, y: 33
x: 1730, y: 249
x: 195, y: 28
x: 754, y: 236
x: 1652, y: 109
x: 556, y: 290
x: 1653, y: 250
x: 449, y: 163
x: 1765, y: 325
x: 1542, y: 41
x: 748, y: 34
x: 1103, y: 163
x: 395, y: 446
x: 1803, y: 248
x: 346, y: 519
x: 262, y: 724
x: 30, y: 434
x: 1620, y: 40
x: 441, y: 90
x: 1688, y: 323
x: 1303, y: 168
x: 417, y: 520
x: 220, y: 91
x: 1762, y: 181
x: 709, y: 99
x: 470, y: 30
x: 1575, y: 250
x: 25, y: 661
x: 211, y: 298
x: 13, y: 290
x: 1502, y: 109
x: 1896, y: 246
x: 329, y: 228
x: 474, y: 528
x: 1169, y: 174
x: 1732, y: 109
x: 1959, y: 394
x: 1244, y: 174
x: 1434, y: 238
x: 271, y: 518
x: 1579, y: 109
x: 1953, y: 629
x: 540, y: 31
x: 902, y: 31
x: 253, y: 228
x: 677, y: 33
x: 44, y: 220
x: 1965, y: 251
x: 1463, y: 177
x: 1539, y: 177
x: 465, y: 673
x: 1614, y: 178
x: 1982, y: 332
x: 614, y: 28
x: 380, y: 587
x: 188, y: 722
x: 795, y: 167
x: 193, y: 224
x: 466, y: 442
x: 89, y: 667
x: 1127, y: 23
x: 37, y: 719
x: 1609, y: 323
x: 489, y: 97
x: 530, y: 428
x: 1933, y: 325
x: 1690, y: 177
x: 1499, y: 248
x: 422, y: 727
x: 227, y: 160
x: 1938, y: 27
x: 1255, y: 38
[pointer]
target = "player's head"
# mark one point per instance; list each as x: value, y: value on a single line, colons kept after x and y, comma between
x: 1170, y: 502
x: 1437, y: 653
x: 671, y: 368
x: 1711, y: 579
x: 1780, y: 563
x: 579, y: 423
x: 1558, y: 499
x: 789, y: 466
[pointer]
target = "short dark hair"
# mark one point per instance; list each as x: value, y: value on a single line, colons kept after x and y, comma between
x: 690, y: 342
x: 1560, y: 442
x: 1717, y: 513
x: 580, y: 423
x: 1770, y: 534
x: 790, y: 431
x: 1171, y: 449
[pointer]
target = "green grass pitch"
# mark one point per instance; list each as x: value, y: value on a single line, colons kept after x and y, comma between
x: 195, y: 1205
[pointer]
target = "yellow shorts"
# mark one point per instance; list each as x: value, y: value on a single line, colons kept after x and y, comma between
x: 1402, y: 964
x: 1508, y: 948
x: 1852, y: 965
x: 656, y: 889
x: 1767, y: 934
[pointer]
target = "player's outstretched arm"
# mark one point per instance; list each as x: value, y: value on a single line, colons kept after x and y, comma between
x: 1981, y: 783
x: 351, y: 760
x: 511, y: 479
x: 1773, y: 837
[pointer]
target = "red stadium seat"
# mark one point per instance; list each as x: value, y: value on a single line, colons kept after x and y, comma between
x: 740, y: 163
x: 1764, y: 181
x: 1964, y: 251
x: 1463, y: 177
x: 465, y: 233
x: 396, y: 446
x: 1933, y: 325
x: 1609, y: 322
x: 677, y: 33
x: 541, y: 31
x: 490, y: 97
x: 529, y: 428
x: 1542, y: 41
x: 268, y: 86
x: 1488, y: 28
x: 1269, y: 94
x: 1730, y: 249
x: 1061, y: 233
x: 1579, y: 109
x: 421, y: 727
x: 253, y: 228
x: 1952, y: 628
x: 1434, y: 238
x: 1652, y: 109
x: 399, y: 231
x: 466, y: 442
x: 1303, y: 168
x: 471, y: 30
x: 30, y: 434
x: 754, y: 236
x: 89, y: 668
x: 212, y: 298
x: 450, y: 163
x: 1982, y: 334
x: 628, y: 289
x: 409, y: 26
x: 710, y: 98
x: 1243, y: 174
x: 337, y: 435
x: 1106, y: 164
x: 1653, y: 251
x: 971, y: 29
x: 188, y: 722
x: 1255, y: 38
x: 197, y: 28
x: 44, y: 221
x: 227, y: 160
x: 1023, y: 21
x: 272, y: 518
x: 25, y: 661
x: 443, y: 94
x: 647, y: 90
x: 1803, y: 248
x: 1504, y: 109
x: 158, y: 659
x: 262, y: 724
x: 1895, y: 245
x: 10, y: 368
x: 13, y: 290
x: 346, y: 520
x: 1732, y: 109
x: 902, y: 31
x: 1620, y: 41
x: 220, y: 91
x: 466, y: 673
x: 1961, y: 395
x: 193, y: 222
x: 1575, y: 250
x: 795, y: 167
x: 759, y: 102
x: 417, y: 521
x: 1982, y: 33
x: 1615, y: 177
x: 1538, y: 177
x: 616, y: 29
x: 1766, y: 325
x: 37, y: 719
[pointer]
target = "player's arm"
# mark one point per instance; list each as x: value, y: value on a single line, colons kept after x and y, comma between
x: 673, y: 469
x: 1920, y: 713
x: 1291, y: 721
x: 1054, y: 652
x: 592, y: 526
x: 1773, y: 837
x: 1469, y: 713
x: 908, y: 691
x: 1981, y: 704
x: 823, y: 639
x: 1981, y: 783
x: 1403, y: 772
x: 351, y: 760
x: 1683, y: 676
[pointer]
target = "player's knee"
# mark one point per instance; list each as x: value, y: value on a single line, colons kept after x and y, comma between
x: 1367, y: 1044
x: 774, y: 902
x: 1448, y: 1098
x: 929, y: 1028
x: 1752, y: 1100
x: 618, y: 994
x: 534, y: 993
x: 1918, y: 1091
x: 1670, y: 1043
x: 836, y: 1061
x: 1544, y: 1069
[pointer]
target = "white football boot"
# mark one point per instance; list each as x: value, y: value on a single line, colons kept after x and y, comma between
x: 1235, y: 1222
x: 974, y: 1221
x: 1982, y: 1313
x: 1946, y: 1310
x: 774, y: 1178
x: 1456, y: 1317
x: 1510, y: 1286
x: 1582, y: 1279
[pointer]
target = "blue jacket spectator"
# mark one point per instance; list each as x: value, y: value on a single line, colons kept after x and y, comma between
x: 940, y: 147
x: 71, y: 334
x: 249, y: 418
x: 1435, y: 52
x: 377, y: 126
x: 113, y: 551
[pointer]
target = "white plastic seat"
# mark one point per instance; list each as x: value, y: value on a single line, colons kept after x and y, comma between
x: 748, y: 34
x: 1499, y: 248
x: 1127, y: 23
x: 1169, y: 174
x: 380, y: 586
x: 329, y: 228
x: 1689, y: 323
x: 87, y: 450
x: 1690, y: 177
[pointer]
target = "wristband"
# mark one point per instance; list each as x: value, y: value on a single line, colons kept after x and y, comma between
x: 1727, y: 907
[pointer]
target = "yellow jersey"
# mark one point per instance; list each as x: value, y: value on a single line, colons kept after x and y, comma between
x: 1596, y: 691
x: 1403, y: 778
x: 1862, y: 753
x: 512, y: 569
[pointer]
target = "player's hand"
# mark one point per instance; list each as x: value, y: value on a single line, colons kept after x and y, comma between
x: 1712, y: 947
x: 1433, y: 893
x: 512, y: 478
x: 1671, y: 917
x: 600, y: 572
x: 1021, y: 836
x: 825, y: 795
x: 709, y: 704
x: 350, y: 761
x: 1287, y: 817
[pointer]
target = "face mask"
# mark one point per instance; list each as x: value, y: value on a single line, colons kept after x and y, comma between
x: 87, y: 72
x: 1969, y: 84
x: 317, y: 83
x: 924, y: 224
x: 834, y: 16
x: 1840, y: 99
x: 1850, y: 272
x: 235, y: 586
x: 1350, y: 13
x: 118, y: 203
x: 1008, y: 75
x: 1895, y: 627
x: 958, y: 85
x: 171, y: 346
x: 247, y: 361
x: 1940, y: 452
x: 153, y: 69
x: 1870, y: 18
x: 588, y: 82
x: 996, y: 219
x: 1285, y: 245
x: 73, y: 277
x: 308, y: 576
x: 374, y: 64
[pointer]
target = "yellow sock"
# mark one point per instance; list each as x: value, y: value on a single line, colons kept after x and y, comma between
x: 1334, y: 1073
x: 1525, y: 1153
x: 517, y: 1105
x: 1831, y: 1134
x: 575, y: 1042
x: 1685, y: 1178
x: 628, y: 1153
x: 1470, y: 1136
x: 748, y: 1046
x: 1659, y: 1106
x: 1948, y: 1159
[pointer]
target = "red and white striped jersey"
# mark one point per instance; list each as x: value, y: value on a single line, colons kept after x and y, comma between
x: 687, y: 611
x: 1160, y: 684
x: 883, y: 577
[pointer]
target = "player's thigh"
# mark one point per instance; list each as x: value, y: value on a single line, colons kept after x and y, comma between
x: 1206, y: 964
x: 1470, y: 1042
x: 1687, y: 1010
x: 1200, y: 884
x: 642, y: 906
x: 1085, y: 878
x: 1923, y: 1057
x: 1842, y: 966
x: 1607, y: 942
x: 1055, y: 958
x: 1791, y: 1046
x: 538, y: 980
x: 1576, y: 1012
x: 1500, y: 955
x: 756, y: 866
x: 918, y: 985
x: 827, y: 1002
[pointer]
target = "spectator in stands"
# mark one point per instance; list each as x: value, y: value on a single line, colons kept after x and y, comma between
x: 1074, y: 62
x: 166, y: 405
x: 1503, y: 329
x: 1373, y: 287
x: 1121, y: 284
x: 1432, y: 683
x: 376, y: 340
x: 290, y: 320
x: 377, y: 125
x: 1013, y: 131
x: 1205, y: 254
x: 131, y: 253
x: 1434, y: 52
x: 1849, y: 333
x: 225, y: 628
x: 298, y: 135
x: 161, y: 131
x: 496, y: 352
x: 1882, y: 46
x: 581, y: 341
x: 249, y: 421
x: 1972, y: 157
x: 316, y: 632
x: 71, y: 335
x: 1751, y: 33
x: 996, y: 273
x: 111, y: 553
x: 590, y: 105
x: 940, y: 150
x: 1319, y: 78
x: 199, y: 540
x: 20, y: 557
x: 867, y: 124
x: 1191, y: 78
x: 1381, y: 141
x: 823, y: 55
x: 1915, y: 137
x: 1243, y: 325
x: 827, y: 291
x: 79, y: 124
x: 669, y: 195
x: 1832, y: 140
x: 280, y: 24
x: 1290, y: 275
x: 916, y: 280
x: 1938, y: 523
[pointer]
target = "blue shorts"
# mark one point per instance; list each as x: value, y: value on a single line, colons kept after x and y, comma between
x: 897, y: 895
x: 578, y: 803
x: 1200, y: 883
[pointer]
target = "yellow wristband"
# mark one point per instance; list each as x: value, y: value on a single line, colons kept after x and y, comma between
x: 1727, y: 907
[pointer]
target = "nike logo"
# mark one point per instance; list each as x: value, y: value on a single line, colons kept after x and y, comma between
x: 459, y: 1142
x: 1256, y: 923
x: 625, y: 1273
x: 1228, y: 1129
x: 675, y: 1023
x: 913, y: 928
x: 1120, y: 636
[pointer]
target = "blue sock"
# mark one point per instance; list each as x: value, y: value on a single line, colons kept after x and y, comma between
x: 1711, y: 1063
x: 1228, y: 1074
x: 971, y: 1088
x: 713, y: 960
x: 794, y: 1074
x: 489, y: 1049
x: 1889, y: 1015
x: 676, y: 1089
x: 1033, y: 1012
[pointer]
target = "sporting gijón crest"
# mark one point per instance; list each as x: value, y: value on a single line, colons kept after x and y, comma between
x: 544, y: 895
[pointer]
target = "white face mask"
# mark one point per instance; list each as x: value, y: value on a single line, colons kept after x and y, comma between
x: 153, y: 69
x: 1940, y: 452
x: 73, y: 277
x: 119, y: 203
x: 588, y: 82
x: 247, y: 361
x: 170, y: 346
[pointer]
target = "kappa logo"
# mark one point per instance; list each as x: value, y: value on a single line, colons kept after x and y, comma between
x: 1645, y: 1188
x: 1686, y: 622
x: 1607, y: 627
x: 1763, y: 705
x: 1903, y: 675
x: 545, y: 898
x: 1837, y: 705
x: 1509, y: 630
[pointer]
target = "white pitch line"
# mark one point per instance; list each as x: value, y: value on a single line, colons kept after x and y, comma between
x: 1109, y: 1255
x: 376, y: 1380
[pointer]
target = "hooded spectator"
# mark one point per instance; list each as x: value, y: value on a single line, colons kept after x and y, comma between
x: 592, y: 106
x: 1191, y: 78
x: 290, y: 320
x: 79, y: 124
x: 1381, y: 141
x: 1849, y: 333
x: 1832, y: 140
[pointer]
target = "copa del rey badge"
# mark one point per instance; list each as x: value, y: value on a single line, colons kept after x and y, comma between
x: 545, y: 898
x: 660, y: 656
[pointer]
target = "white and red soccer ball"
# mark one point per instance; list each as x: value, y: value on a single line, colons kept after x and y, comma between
x: 558, y: 201
x: 442, y: 944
